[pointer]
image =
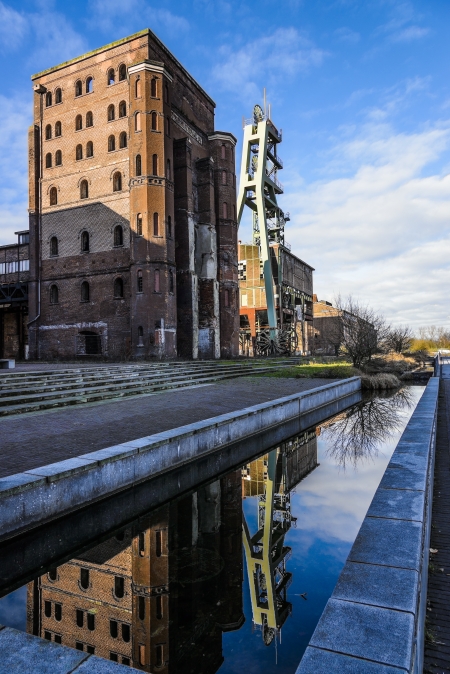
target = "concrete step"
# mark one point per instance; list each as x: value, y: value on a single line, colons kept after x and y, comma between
x: 55, y: 379
x: 66, y: 386
x: 96, y: 396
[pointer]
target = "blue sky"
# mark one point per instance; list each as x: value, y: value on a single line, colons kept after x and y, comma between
x: 360, y: 88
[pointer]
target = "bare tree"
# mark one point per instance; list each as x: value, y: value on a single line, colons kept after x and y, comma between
x: 399, y: 339
x: 362, y: 330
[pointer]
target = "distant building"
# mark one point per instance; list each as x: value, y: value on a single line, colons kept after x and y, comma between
x: 327, y: 339
x: 293, y: 287
x: 14, y: 277
x: 132, y: 201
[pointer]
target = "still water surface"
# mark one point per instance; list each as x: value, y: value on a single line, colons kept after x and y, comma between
x: 233, y: 576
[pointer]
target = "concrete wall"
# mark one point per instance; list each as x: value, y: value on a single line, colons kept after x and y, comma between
x: 374, y: 621
x: 33, y: 497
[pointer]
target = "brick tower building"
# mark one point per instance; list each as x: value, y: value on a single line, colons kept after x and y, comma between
x: 133, y: 234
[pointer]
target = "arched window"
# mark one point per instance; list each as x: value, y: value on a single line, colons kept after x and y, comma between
x: 78, y: 88
x: 155, y: 224
x: 90, y: 149
x: 137, y: 121
x: 58, y: 158
x: 223, y: 152
x: 48, y: 160
x: 138, y: 88
x: 79, y: 152
x: 84, y: 192
x: 58, y: 129
x: 48, y: 99
x: 166, y: 93
x: 111, y: 78
x: 78, y: 123
x: 227, y: 298
x: 224, y: 210
x: 85, y: 242
x: 140, y: 282
x: 89, y: 119
x: 85, y: 291
x: 111, y: 144
x: 122, y: 72
x: 118, y: 235
x: 89, y: 85
x: 138, y: 165
x: 117, y: 182
x: 118, y: 287
x: 48, y: 132
x: 122, y: 109
x: 167, y: 126
x: 111, y: 113
x: 157, y: 284
x: 234, y: 212
x: 139, y: 224
x: 224, y: 177
x: 153, y: 87
x: 140, y: 336
x: 54, y: 294
x: 53, y: 246
x: 170, y: 281
x: 58, y: 96
x: 123, y: 139
x: 155, y: 164
x: 154, y: 121
x: 169, y: 227
x: 53, y: 196
x: 168, y: 172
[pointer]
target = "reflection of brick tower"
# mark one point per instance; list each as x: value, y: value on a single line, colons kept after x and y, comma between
x: 157, y: 597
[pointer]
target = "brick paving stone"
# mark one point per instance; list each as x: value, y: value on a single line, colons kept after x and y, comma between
x: 39, y: 438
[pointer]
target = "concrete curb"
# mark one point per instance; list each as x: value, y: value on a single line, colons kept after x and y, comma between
x: 41, y: 494
x: 375, y: 619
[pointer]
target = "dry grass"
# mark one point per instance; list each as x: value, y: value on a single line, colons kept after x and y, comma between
x: 393, y: 363
x: 383, y: 381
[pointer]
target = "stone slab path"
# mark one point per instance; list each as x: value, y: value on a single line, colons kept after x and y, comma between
x: 39, y: 438
x: 437, y: 645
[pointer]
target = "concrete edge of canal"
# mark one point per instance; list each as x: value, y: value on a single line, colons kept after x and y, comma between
x: 374, y: 622
x: 42, y: 494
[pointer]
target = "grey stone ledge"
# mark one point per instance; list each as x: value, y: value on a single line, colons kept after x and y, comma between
x: 388, y: 542
x: 320, y: 661
x: 19, y: 482
x: 377, y: 634
x: 62, y: 469
x: 403, y: 478
x: 400, y: 504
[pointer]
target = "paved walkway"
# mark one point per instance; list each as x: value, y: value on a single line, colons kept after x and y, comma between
x: 39, y: 438
x: 437, y: 646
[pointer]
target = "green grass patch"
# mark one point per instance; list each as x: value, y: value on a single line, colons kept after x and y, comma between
x: 315, y: 370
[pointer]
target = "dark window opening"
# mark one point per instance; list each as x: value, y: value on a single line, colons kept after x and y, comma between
x: 89, y: 119
x: 122, y: 109
x: 141, y: 608
x: 52, y: 574
x: 139, y: 224
x: 123, y: 140
x: 159, y: 655
x: 137, y: 121
x: 78, y: 88
x: 48, y: 99
x: 138, y: 88
x: 169, y: 227
x: 153, y: 87
x: 154, y: 121
x: 90, y: 149
x: 168, y: 171
x: 118, y: 287
x: 122, y: 72
x: 48, y: 132
x: 58, y: 158
x: 117, y: 182
x: 166, y: 93
x: 138, y: 165
x: 114, y: 657
x: 89, y: 85
x: 155, y: 224
x: 125, y: 661
x: 84, y: 573
x: 110, y: 78
x: 80, y: 618
x: 141, y: 343
x: 170, y: 281
x: 58, y: 96
x: 90, y: 649
x: 125, y: 632
x: 48, y: 636
x: 85, y: 298
x: 53, y: 196
x: 84, y: 189
x: 54, y: 298
x: 119, y: 587
x: 79, y: 646
x: 158, y: 536
x: 141, y: 540
x: 159, y: 607
x: 91, y: 621
x: 113, y: 629
x: 111, y: 144
x: 111, y: 113
x: 78, y: 123
x: 48, y: 609
x: 118, y: 235
x: 58, y: 639
x: 58, y: 612
x: 140, y: 287
x: 48, y: 160
x: 155, y: 164
x: 167, y: 126
x: 79, y: 152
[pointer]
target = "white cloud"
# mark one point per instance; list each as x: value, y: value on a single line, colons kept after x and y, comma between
x: 61, y: 42
x: 13, y: 27
x: 284, y: 53
x: 382, y: 232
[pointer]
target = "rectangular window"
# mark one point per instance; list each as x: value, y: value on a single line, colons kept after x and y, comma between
x: 159, y: 607
x: 158, y: 535
x: 48, y: 636
x: 141, y: 608
x: 157, y: 286
x: 91, y: 621
x: 58, y: 611
x: 80, y: 618
x: 48, y: 609
x: 113, y: 657
x: 79, y: 646
x: 58, y: 639
x: 125, y: 661
x: 90, y: 649
x: 2, y: 267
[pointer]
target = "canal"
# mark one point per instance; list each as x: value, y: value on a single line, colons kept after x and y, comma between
x: 232, y: 575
